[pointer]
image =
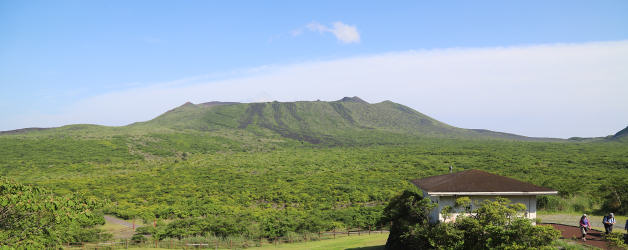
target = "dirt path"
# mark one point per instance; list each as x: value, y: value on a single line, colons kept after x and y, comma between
x: 120, y: 229
x: 594, y: 237
x: 115, y: 220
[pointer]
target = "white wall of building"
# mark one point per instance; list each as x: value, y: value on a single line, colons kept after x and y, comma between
x: 435, y: 215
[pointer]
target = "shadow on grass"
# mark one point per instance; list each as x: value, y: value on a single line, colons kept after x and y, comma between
x: 368, y: 248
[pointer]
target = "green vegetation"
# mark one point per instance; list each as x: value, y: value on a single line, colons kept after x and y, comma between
x: 371, y: 242
x: 494, y: 225
x: 271, y: 169
x: 616, y: 239
x: 32, y: 217
x: 573, y: 219
x: 572, y: 245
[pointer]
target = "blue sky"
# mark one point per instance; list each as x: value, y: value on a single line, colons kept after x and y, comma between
x: 58, y: 57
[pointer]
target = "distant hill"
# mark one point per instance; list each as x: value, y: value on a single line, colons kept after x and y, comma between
x: 344, y: 121
x: 316, y: 121
x: 621, y: 135
x: 22, y: 130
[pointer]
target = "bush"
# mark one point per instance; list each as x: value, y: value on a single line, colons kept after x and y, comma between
x: 615, y: 196
x: 146, y: 230
x: 139, y: 238
x: 32, y: 217
x: 616, y: 239
x: 218, y: 226
x: 570, y: 203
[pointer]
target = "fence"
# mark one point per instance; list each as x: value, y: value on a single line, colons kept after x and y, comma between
x: 229, y: 242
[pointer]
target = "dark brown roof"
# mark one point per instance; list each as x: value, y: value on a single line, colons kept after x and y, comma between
x: 475, y: 181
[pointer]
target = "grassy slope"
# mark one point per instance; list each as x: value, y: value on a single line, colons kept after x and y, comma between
x: 339, y: 122
x: 235, y: 127
x: 347, y: 121
x: 313, y: 122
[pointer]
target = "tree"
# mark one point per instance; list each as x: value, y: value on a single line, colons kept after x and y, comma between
x: 406, y: 211
x: 496, y: 225
x: 615, y: 197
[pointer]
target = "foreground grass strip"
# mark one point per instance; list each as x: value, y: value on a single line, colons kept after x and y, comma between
x: 370, y: 242
x: 363, y: 242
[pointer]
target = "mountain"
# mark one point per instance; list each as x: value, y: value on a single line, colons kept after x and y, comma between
x: 22, y: 130
x: 345, y: 121
x: 621, y: 135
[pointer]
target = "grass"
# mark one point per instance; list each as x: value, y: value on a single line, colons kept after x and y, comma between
x: 117, y: 230
x: 362, y: 242
x: 574, y: 219
x: 572, y: 245
x: 370, y: 242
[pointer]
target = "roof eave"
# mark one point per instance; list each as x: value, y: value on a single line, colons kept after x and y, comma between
x: 491, y: 193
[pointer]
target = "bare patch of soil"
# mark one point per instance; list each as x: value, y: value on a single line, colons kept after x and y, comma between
x: 594, y: 237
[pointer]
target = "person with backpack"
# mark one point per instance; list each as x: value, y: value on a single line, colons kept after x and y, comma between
x: 585, y: 226
x: 608, y: 222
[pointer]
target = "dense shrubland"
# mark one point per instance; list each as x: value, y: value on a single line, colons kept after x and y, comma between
x: 32, y: 217
x: 196, y: 183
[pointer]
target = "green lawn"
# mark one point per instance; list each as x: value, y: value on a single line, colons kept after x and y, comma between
x: 362, y: 242
x: 370, y: 242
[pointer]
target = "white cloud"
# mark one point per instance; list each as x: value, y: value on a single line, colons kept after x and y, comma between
x: 343, y: 32
x: 314, y: 26
x: 346, y: 33
x: 557, y: 90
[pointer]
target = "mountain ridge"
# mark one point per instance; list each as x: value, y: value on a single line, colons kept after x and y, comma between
x: 621, y: 135
x: 310, y: 121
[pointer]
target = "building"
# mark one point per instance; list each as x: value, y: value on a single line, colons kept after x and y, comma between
x: 478, y: 185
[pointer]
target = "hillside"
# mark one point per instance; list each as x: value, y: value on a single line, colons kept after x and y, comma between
x: 622, y: 135
x: 339, y: 122
x: 349, y: 120
x: 346, y: 121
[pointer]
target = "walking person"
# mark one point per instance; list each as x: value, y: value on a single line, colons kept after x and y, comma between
x: 585, y: 226
x: 608, y: 222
